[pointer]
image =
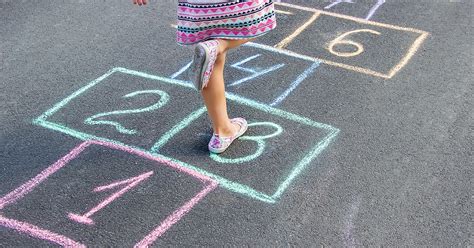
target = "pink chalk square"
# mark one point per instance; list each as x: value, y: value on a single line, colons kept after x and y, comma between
x: 54, y: 213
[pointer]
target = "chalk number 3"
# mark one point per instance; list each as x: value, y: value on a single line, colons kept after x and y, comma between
x: 164, y: 98
x: 260, y: 140
x: 341, y: 40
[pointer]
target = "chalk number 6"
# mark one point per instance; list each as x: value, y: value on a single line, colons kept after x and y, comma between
x: 260, y: 140
x: 342, y: 41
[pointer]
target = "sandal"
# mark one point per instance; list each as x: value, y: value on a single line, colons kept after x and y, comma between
x: 220, y: 144
x: 205, y: 55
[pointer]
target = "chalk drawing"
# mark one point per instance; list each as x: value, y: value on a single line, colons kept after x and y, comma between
x: 259, y: 72
x: 180, y: 71
x: 237, y: 187
x: 260, y: 140
x: 164, y: 98
x: 284, y: 43
x: 391, y: 72
x: 130, y: 183
x: 254, y: 72
x: 348, y: 231
x: 374, y: 9
x: 295, y: 84
x: 177, y: 128
x: 26, y: 188
x: 174, y: 217
x: 239, y: 63
x: 283, y: 12
x: 336, y: 2
x: 37, y: 232
x: 340, y: 40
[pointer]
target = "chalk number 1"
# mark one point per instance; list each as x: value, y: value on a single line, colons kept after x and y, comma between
x: 124, y: 185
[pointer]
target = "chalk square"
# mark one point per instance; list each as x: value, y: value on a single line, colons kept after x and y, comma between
x: 238, y: 175
x: 411, y: 39
x: 258, y: 69
x: 288, y: 19
x: 355, y: 8
x: 266, y: 76
x: 179, y: 126
x: 131, y: 107
x: 49, y: 222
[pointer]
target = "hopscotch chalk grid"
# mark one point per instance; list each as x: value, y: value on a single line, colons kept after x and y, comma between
x: 234, y: 186
x: 40, y: 226
x: 328, y: 54
x: 341, y: 59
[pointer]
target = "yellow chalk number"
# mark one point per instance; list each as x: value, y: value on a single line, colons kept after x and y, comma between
x: 341, y: 40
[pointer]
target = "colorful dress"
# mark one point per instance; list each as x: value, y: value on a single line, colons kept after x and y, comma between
x: 200, y: 20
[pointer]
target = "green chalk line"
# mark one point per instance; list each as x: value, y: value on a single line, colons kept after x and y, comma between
x: 176, y: 129
x: 258, y: 139
x: 230, y: 185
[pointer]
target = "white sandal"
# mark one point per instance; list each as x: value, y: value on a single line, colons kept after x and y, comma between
x: 220, y: 144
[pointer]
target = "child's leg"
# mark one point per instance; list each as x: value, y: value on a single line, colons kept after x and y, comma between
x: 214, y: 93
x: 225, y: 45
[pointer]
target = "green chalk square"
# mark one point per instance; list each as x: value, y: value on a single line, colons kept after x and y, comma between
x: 124, y: 107
x: 313, y: 151
x: 224, y: 182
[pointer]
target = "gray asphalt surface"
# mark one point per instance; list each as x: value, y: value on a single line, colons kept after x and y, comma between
x: 398, y: 174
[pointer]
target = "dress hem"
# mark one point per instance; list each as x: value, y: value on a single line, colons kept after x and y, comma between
x: 230, y: 37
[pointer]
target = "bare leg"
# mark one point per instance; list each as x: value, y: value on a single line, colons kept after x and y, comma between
x: 214, y: 93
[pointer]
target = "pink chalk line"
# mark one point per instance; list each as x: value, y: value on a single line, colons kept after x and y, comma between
x: 201, y: 177
x: 26, y: 188
x: 132, y: 182
x: 174, y: 217
x: 37, y: 232
x: 349, y: 239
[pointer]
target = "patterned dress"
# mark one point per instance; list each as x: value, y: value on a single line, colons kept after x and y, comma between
x: 200, y: 20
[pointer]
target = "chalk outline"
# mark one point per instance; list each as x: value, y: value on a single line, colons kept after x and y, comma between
x: 374, y: 9
x: 288, y: 91
x: 228, y: 184
x: 392, y: 72
x: 30, y: 185
x: 236, y: 65
x: 254, y: 73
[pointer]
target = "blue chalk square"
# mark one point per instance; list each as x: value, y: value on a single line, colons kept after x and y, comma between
x: 177, y: 130
x: 124, y: 107
x: 275, y: 149
x: 261, y: 73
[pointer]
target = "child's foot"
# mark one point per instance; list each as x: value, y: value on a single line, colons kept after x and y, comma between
x: 205, y: 55
x: 219, y: 144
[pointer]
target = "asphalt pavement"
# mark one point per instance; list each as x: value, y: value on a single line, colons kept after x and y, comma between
x: 361, y: 128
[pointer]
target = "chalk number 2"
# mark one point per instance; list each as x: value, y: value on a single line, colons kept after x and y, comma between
x: 164, y: 98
